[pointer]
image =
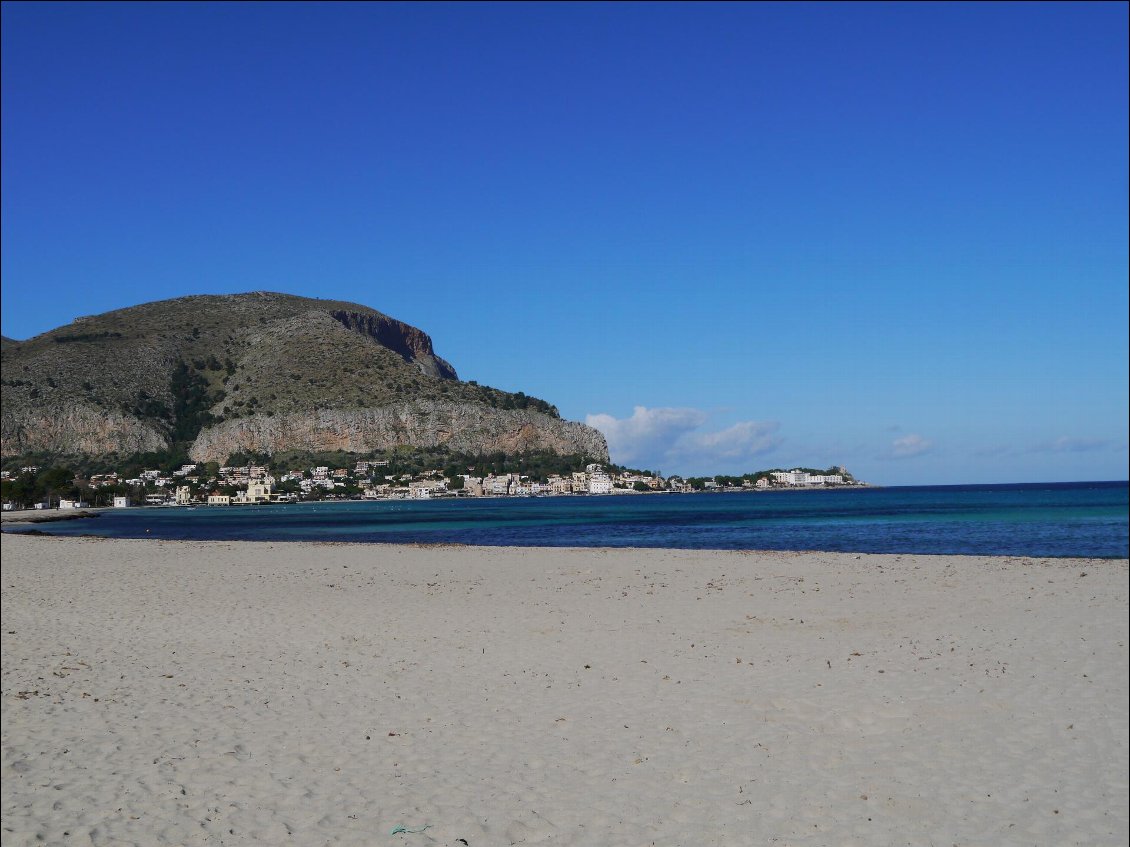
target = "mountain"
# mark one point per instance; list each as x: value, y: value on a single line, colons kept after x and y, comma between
x: 262, y: 373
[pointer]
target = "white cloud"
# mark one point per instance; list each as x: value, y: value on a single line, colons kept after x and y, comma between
x: 657, y: 438
x: 1067, y: 444
x: 992, y: 451
x: 746, y: 438
x: 910, y: 445
x: 647, y: 433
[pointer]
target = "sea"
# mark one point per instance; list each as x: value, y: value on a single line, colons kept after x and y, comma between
x: 1078, y: 519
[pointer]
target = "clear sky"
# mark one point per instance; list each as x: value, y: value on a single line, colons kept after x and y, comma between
x: 732, y: 236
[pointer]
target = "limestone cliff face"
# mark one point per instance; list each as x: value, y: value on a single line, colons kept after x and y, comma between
x: 413, y: 344
x: 78, y: 428
x: 462, y: 427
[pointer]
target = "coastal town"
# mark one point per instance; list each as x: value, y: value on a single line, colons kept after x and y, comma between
x: 194, y: 484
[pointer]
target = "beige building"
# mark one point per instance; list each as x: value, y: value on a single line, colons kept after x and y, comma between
x: 497, y: 484
x: 560, y: 485
x: 256, y: 492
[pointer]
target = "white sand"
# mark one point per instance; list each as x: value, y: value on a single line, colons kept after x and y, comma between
x: 305, y: 694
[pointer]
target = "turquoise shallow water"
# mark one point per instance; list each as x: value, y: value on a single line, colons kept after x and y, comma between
x: 1053, y: 519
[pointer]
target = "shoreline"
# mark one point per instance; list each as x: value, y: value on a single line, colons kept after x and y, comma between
x: 21, y: 516
x: 165, y: 692
x: 545, y: 549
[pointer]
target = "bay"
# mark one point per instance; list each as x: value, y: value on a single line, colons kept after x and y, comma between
x: 1086, y: 519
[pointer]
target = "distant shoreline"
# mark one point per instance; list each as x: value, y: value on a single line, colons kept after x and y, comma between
x: 19, y: 516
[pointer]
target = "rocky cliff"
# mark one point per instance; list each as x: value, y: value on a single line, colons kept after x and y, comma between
x: 79, y: 428
x: 461, y: 427
x: 413, y: 344
x: 262, y: 372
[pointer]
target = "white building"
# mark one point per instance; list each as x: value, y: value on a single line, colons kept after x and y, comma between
x: 121, y: 502
x: 798, y: 477
x: 424, y: 489
x: 826, y: 479
x: 599, y: 482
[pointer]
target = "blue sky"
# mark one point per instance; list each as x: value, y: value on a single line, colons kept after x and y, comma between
x: 732, y: 236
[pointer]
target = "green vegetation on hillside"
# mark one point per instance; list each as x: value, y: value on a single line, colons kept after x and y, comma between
x: 84, y: 336
x: 191, y: 402
x: 416, y: 460
x: 699, y: 482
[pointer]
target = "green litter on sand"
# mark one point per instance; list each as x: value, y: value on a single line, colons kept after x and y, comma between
x: 396, y: 830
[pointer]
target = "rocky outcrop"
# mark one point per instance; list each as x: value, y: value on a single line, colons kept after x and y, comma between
x: 413, y: 344
x: 78, y: 428
x: 461, y: 427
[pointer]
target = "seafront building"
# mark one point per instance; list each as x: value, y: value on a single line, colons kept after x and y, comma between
x: 425, y: 489
x: 799, y: 477
x: 258, y: 491
x: 599, y: 482
x: 559, y: 485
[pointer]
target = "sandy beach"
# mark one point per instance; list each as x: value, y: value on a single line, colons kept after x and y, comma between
x: 266, y: 693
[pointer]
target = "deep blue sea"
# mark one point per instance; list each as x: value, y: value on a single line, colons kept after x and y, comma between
x: 1087, y: 519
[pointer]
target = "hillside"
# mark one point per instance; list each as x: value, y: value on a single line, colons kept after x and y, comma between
x: 259, y: 372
